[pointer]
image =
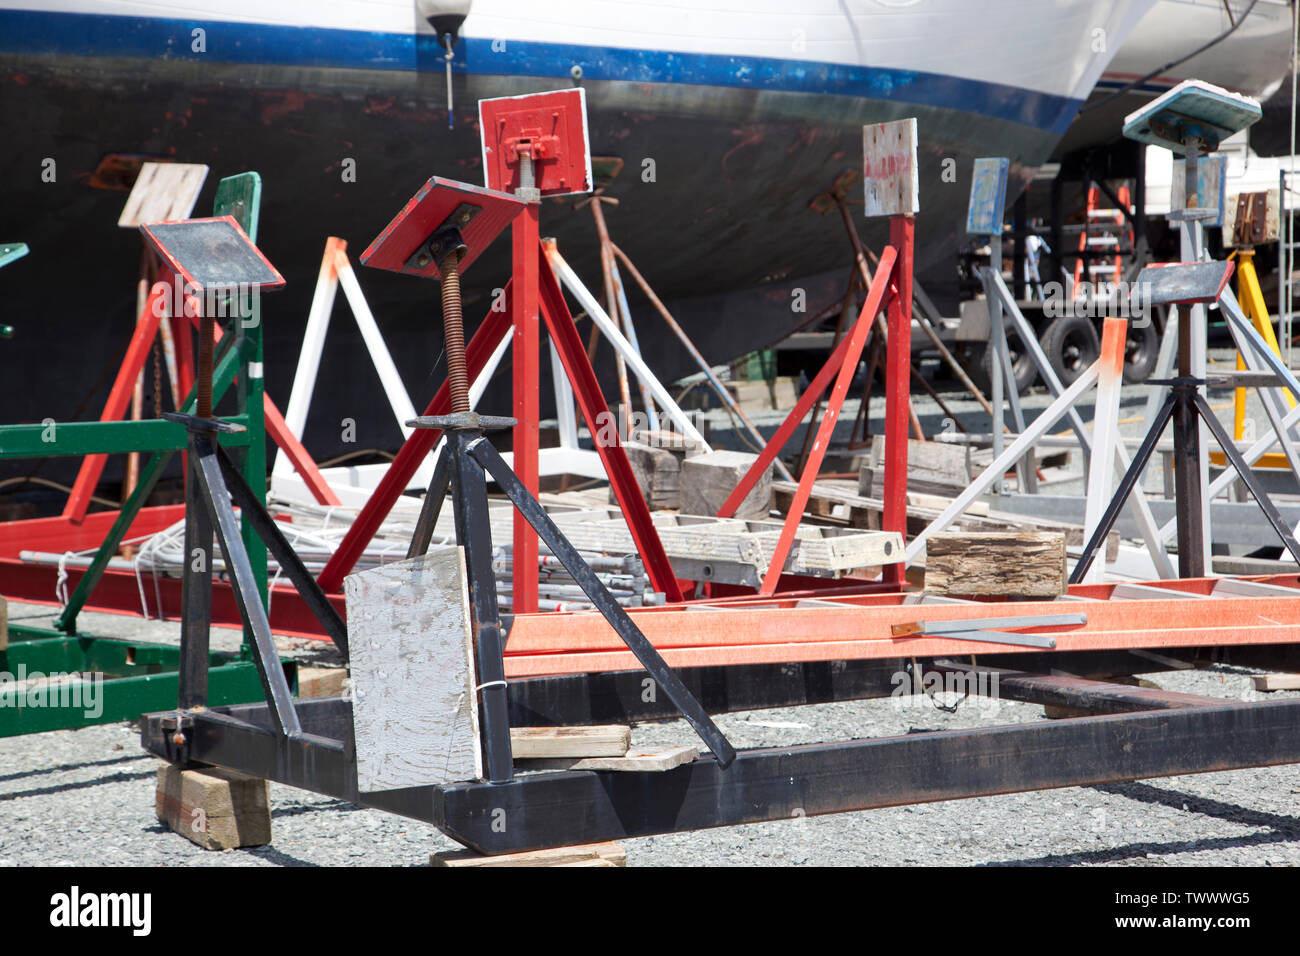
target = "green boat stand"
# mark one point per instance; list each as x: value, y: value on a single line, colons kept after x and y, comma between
x: 62, y: 678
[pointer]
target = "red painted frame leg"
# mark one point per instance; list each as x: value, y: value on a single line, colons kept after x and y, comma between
x: 92, y: 467
x: 898, y: 384
x: 414, y: 450
x: 525, y: 363
x: 788, y: 427
x: 302, y: 461
x: 604, y: 432
x: 857, y: 338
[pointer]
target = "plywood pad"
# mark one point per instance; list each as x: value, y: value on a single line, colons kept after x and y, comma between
x: 414, y: 707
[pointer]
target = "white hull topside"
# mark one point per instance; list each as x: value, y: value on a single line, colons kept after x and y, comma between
x: 1061, y: 47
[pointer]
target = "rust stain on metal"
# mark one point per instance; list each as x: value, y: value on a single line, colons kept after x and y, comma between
x: 749, y: 136
x: 276, y: 106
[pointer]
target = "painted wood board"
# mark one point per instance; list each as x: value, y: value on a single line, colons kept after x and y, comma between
x: 889, y: 172
x: 414, y: 706
x: 988, y: 196
x: 163, y: 192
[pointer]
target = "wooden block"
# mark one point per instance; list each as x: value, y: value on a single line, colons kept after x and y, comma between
x: 322, y: 681
x: 708, y: 480
x: 680, y: 445
x: 217, y: 809
x: 593, y: 854
x: 658, y: 474
x: 636, y: 760
x: 1024, y: 564
x: 764, y: 396
x: 932, y: 468
x: 603, y: 741
x: 414, y: 703
x: 1276, y: 681
x: 163, y: 192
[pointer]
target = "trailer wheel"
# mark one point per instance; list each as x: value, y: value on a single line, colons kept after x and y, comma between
x: 1071, y: 344
x: 1140, y: 353
x: 979, y: 364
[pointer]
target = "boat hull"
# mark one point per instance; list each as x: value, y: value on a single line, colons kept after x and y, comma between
x: 713, y: 208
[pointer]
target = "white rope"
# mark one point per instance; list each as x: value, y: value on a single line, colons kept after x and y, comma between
x: 139, y: 586
x: 61, y: 582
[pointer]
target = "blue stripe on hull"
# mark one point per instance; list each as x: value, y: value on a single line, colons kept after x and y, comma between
x: 74, y: 34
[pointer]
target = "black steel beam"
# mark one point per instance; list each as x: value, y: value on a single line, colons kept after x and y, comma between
x: 1063, y: 690
x: 558, y: 809
x: 623, y: 696
x: 253, y: 511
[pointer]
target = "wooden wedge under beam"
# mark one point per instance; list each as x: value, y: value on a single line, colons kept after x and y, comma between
x: 594, y: 854
x: 1276, y: 681
x: 527, y: 743
x: 636, y: 760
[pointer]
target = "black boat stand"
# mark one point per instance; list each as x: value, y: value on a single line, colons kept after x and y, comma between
x: 213, y: 480
x: 1184, y: 404
x: 205, y: 261
x: 465, y: 459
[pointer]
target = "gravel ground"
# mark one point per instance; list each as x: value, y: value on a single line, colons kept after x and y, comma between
x: 85, y: 797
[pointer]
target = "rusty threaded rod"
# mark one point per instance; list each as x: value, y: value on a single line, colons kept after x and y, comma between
x: 453, y: 332
x: 205, y: 366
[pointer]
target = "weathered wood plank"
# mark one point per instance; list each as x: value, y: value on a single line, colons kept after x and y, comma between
x: 217, y: 809
x: 163, y: 192
x: 1026, y: 564
x: 708, y: 480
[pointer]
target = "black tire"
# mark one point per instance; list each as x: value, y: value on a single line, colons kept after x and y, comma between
x: 1140, y: 353
x: 1071, y: 344
x: 979, y: 364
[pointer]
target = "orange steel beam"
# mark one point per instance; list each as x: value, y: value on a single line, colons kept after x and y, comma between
x: 792, y: 421
x: 577, y: 643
